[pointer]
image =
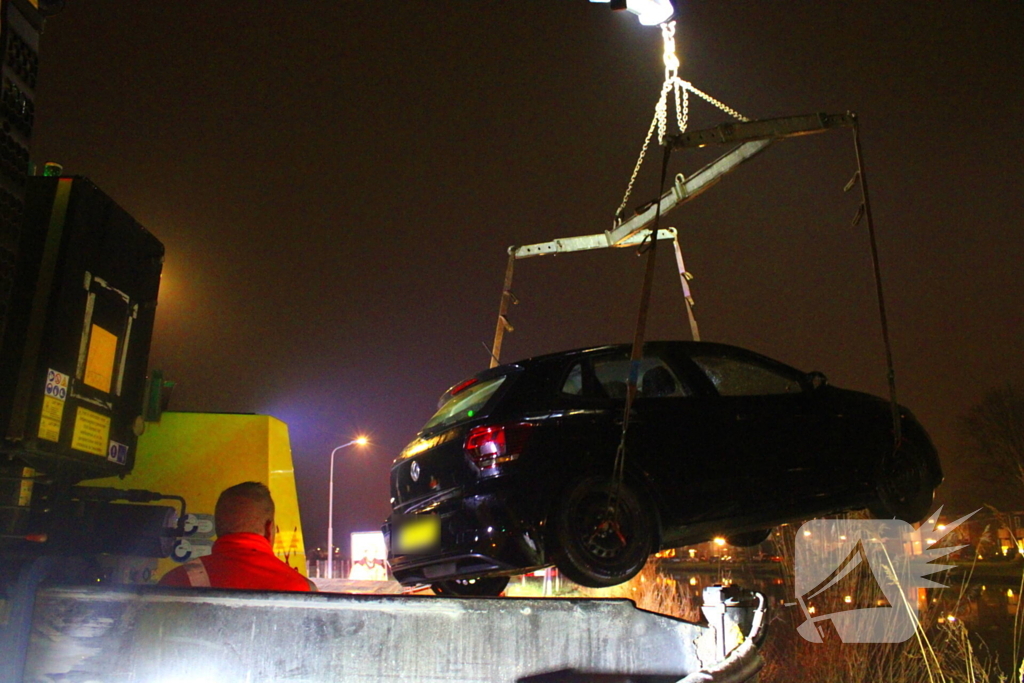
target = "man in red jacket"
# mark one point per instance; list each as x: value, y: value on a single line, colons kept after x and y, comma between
x: 243, y: 555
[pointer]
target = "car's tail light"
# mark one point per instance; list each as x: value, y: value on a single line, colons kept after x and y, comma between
x: 491, y: 445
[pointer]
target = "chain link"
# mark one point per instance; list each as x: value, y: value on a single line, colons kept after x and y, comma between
x: 680, y: 90
x: 668, y: 35
x: 672, y: 85
x: 682, y: 112
x: 636, y: 169
x: 708, y: 98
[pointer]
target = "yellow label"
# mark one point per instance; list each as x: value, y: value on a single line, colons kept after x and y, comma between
x: 25, y: 492
x: 50, y: 418
x: 92, y: 432
x: 99, y: 364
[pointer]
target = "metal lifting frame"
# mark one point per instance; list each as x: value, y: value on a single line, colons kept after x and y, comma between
x: 753, y: 138
x: 567, y: 245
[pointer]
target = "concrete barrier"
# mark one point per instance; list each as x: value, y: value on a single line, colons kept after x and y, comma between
x: 145, y: 634
x: 391, y: 587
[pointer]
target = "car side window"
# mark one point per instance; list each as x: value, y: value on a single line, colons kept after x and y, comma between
x: 612, y: 374
x: 606, y: 378
x: 734, y: 377
x: 573, y: 384
x: 580, y: 381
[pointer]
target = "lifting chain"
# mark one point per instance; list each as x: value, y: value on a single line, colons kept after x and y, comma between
x: 680, y: 90
x: 672, y: 84
x: 711, y: 100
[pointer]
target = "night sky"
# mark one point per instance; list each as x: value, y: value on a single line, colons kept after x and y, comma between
x: 337, y: 182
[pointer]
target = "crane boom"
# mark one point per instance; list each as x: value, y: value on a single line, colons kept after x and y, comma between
x: 754, y: 137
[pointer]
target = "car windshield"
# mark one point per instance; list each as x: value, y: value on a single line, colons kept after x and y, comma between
x: 466, y: 404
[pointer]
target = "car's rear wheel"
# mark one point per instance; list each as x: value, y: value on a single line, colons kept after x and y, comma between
x: 903, y: 487
x: 748, y: 539
x: 487, y: 586
x: 603, y: 533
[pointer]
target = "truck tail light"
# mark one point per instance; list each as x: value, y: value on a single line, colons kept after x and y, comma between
x: 491, y: 445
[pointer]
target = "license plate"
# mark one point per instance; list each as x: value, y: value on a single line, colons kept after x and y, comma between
x: 417, y: 533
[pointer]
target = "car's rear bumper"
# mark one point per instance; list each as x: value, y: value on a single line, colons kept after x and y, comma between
x: 482, y: 534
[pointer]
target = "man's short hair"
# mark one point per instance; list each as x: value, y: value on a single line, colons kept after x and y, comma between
x: 243, y: 508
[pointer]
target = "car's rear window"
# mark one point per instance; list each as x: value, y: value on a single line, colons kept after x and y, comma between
x: 466, y: 404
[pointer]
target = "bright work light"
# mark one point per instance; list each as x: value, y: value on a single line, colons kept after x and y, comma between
x: 650, y: 12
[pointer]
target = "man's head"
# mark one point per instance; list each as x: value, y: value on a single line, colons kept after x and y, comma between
x: 245, y: 508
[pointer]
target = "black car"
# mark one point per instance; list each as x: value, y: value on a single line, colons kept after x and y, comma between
x: 517, y: 470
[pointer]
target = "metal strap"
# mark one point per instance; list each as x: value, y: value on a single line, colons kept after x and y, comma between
x: 883, y: 319
x: 637, y: 352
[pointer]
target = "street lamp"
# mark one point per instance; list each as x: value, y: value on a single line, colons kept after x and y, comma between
x: 650, y: 12
x: 360, y: 441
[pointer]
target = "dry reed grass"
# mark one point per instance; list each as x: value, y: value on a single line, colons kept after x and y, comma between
x: 941, y: 650
x: 654, y: 591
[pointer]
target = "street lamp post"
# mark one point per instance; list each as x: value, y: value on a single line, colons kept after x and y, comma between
x: 361, y: 441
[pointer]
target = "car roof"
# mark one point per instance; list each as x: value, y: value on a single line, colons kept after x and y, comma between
x: 687, y: 347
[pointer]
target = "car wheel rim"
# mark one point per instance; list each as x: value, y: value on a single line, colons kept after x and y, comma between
x: 604, y: 528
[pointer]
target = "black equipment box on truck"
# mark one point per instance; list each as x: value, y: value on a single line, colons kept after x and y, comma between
x: 76, y: 345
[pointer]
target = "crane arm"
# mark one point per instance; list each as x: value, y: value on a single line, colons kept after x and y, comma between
x: 753, y: 138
